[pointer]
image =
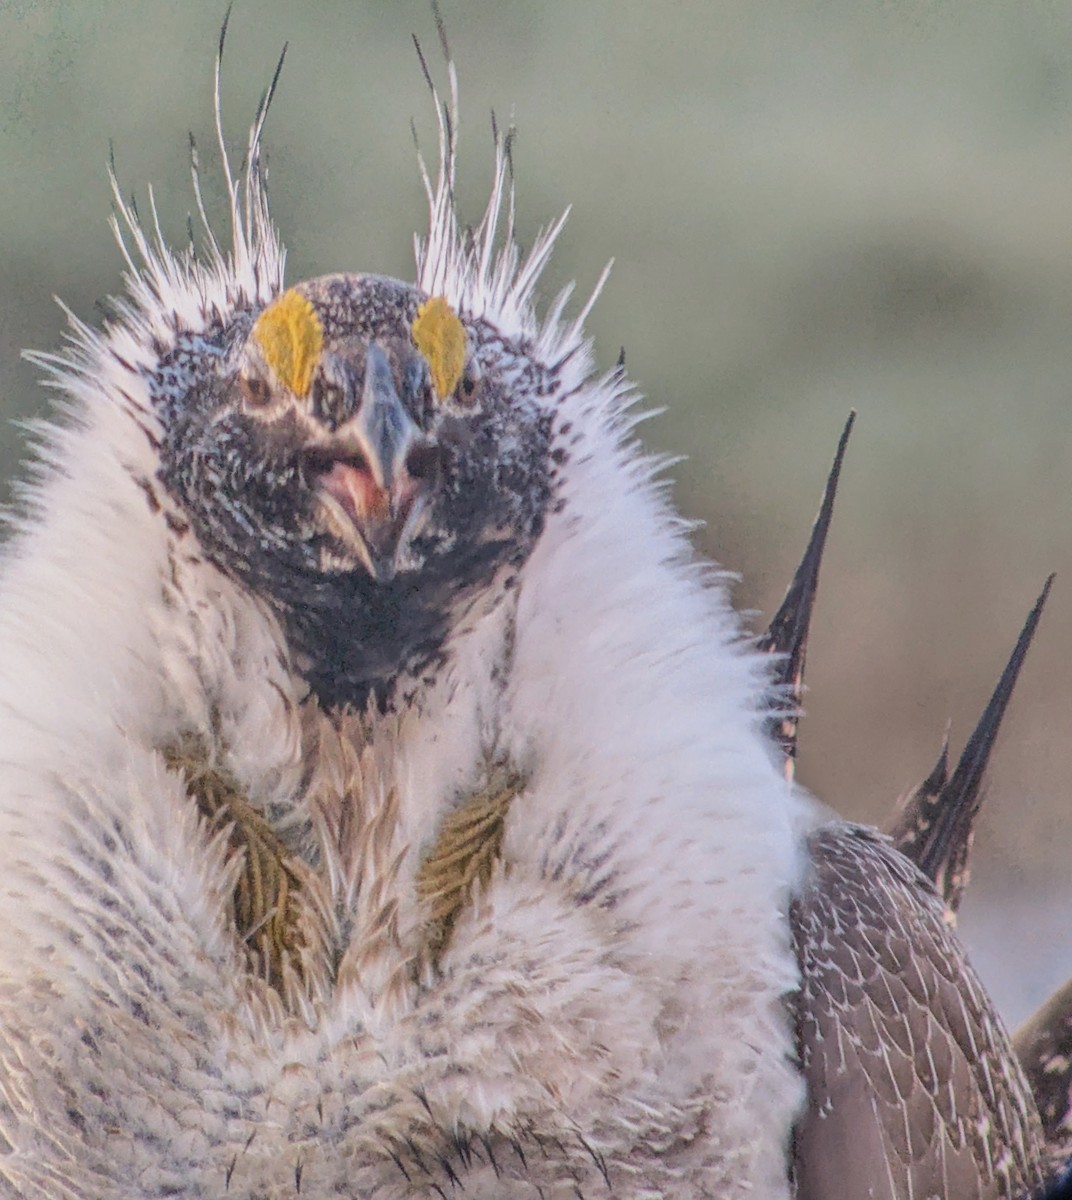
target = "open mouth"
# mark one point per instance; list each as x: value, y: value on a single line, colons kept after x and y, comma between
x: 371, y: 516
x: 349, y: 481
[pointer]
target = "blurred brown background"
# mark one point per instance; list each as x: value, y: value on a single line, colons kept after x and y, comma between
x: 812, y: 206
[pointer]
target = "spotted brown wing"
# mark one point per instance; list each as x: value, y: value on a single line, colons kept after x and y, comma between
x: 913, y: 1088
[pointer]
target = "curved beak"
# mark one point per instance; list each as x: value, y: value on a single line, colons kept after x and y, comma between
x: 374, y: 471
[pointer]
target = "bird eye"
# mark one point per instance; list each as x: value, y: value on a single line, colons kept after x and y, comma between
x: 469, y: 384
x: 255, y: 391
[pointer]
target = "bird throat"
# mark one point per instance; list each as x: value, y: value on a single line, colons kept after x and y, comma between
x: 356, y: 639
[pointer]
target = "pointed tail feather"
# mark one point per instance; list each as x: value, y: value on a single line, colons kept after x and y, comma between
x: 934, y: 825
x: 787, y: 634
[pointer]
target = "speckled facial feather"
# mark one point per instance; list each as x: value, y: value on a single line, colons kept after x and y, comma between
x: 241, y: 477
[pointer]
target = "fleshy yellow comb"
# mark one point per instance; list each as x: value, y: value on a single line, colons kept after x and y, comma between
x: 440, y: 336
x: 291, y: 337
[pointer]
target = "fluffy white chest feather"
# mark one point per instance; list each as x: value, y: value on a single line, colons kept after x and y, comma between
x: 613, y: 993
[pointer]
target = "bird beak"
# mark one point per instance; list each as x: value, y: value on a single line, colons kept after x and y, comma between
x: 374, y: 473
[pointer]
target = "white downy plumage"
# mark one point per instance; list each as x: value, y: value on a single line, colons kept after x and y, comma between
x: 558, y: 1045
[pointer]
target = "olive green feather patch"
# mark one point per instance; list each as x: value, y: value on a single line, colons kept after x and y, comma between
x: 464, y: 854
x: 267, y: 895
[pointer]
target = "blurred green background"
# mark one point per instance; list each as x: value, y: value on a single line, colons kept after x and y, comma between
x: 812, y: 207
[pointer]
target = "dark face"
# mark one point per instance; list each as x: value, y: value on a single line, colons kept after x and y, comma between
x: 363, y: 460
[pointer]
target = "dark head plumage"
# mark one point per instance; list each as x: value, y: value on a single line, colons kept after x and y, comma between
x: 364, y: 460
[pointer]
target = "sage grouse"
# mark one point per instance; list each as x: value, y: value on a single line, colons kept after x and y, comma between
x: 386, y: 801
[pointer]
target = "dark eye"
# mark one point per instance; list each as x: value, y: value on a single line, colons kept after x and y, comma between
x: 255, y: 391
x: 469, y: 386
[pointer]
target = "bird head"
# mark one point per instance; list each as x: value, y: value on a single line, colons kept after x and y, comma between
x: 362, y: 458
